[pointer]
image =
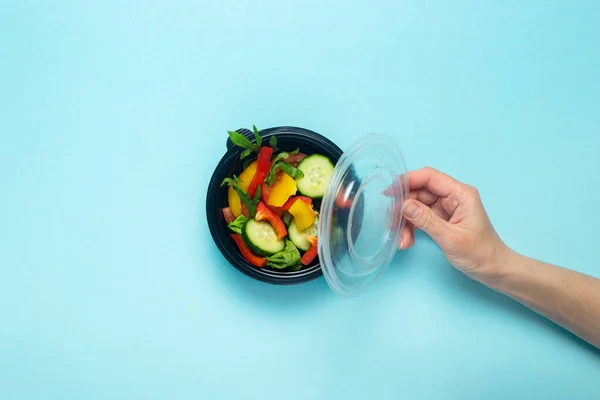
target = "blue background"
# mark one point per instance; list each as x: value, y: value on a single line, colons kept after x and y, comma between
x: 113, y: 115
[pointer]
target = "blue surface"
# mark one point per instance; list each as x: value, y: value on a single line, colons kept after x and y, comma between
x: 113, y: 116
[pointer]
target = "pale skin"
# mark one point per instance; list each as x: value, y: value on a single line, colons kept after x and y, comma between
x: 452, y: 214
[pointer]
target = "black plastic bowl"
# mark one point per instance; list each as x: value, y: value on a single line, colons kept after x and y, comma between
x: 288, y: 138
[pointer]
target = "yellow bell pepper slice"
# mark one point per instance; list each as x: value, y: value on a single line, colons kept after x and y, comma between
x: 303, y: 214
x: 247, y: 175
x: 235, y: 204
x: 282, y: 190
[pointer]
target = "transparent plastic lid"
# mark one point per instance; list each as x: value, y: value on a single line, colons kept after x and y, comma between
x: 361, y: 216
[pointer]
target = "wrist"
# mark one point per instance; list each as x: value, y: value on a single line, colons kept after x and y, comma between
x: 497, y: 268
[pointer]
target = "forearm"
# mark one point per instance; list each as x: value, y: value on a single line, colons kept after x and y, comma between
x: 568, y: 298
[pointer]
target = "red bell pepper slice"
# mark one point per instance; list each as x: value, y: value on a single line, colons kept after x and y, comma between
x: 262, y: 169
x: 277, y: 211
x: 247, y: 253
x: 286, y: 206
x: 265, y: 213
x: 228, y: 215
x: 311, y: 253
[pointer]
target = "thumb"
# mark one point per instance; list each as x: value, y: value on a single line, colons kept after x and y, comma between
x: 425, y: 219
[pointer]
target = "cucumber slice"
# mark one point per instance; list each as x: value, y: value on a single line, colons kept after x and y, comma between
x: 261, y: 238
x: 317, y: 170
x: 299, y: 238
x: 287, y: 218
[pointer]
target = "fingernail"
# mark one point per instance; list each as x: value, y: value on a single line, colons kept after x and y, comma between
x: 400, y: 244
x: 411, y: 210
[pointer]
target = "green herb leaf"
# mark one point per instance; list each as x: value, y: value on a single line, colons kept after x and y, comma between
x: 285, y: 167
x: 240, y: 140
x: 238, y: 225
x: 227, y: 181
x: 272, y: 176
x: 288, y: 257
x: 295, y: 151
x: 244, y: 196
x: 291, y: 170
x: 257, y: 194
x: 257, y: 137
x: 273, y: 142
x: 246, y: 153
x: 281, y: 156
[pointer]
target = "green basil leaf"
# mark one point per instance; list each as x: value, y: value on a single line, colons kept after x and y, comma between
x: 244, y: 196
x: 227, y: 181
x: 246, y: 153
x: 276, y: 164
x: 257, y: 194
x: 238, y: 225
x: 257, y: 137
x: 295, y: 151
x: 240, y: 140
x: 272, y: 176
x: 291, y: 170
x: 273, y: 142
x: 281, y: 156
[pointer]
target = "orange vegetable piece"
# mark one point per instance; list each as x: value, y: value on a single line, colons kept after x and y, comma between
x: 247, y: 253
x: 312, y: 253
x: 235, y: 204
x: 282, y: 190
x: 304, y: 215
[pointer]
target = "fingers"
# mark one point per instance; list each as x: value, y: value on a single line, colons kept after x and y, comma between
x: 435, y: 202
x: 423, y: 195
x: 424, y: 218
x: 407, y: 236
x: 433, y: 198
x: 433, y: 180
x: 438, y: 208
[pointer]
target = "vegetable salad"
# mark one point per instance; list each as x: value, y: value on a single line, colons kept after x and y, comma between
x: 271, y: 210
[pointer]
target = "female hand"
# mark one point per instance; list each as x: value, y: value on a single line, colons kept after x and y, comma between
x: 452, y: 214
